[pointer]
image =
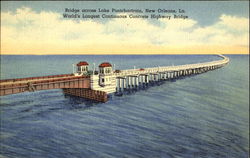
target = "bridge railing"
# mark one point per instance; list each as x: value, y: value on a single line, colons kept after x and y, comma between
x: 35, y: 78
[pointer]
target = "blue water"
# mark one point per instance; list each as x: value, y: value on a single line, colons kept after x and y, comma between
x: 204, y: 116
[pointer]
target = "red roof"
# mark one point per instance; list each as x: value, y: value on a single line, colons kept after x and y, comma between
x: 105, y: 64
x: 82, y: 63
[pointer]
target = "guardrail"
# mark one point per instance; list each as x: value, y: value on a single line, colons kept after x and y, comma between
x: 35, y: 78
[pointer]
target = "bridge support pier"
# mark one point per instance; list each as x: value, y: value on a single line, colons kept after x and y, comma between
x: 128, y: 82
x: 171, y: 75
x: 117, y: 84
x: 95, y: 95
x: 121, y: 84
x: 145, y: 80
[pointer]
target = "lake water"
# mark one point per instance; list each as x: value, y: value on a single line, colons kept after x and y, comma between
x: 204, y: 116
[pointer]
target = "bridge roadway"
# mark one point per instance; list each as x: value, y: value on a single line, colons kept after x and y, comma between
x: 178, y: 68
x: 12, y: 86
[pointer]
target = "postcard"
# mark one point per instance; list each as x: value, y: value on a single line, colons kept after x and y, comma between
x: 148, y: 79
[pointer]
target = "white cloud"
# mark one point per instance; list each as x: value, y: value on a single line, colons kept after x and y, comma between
x: 234, y: 22
x: 28, y: 26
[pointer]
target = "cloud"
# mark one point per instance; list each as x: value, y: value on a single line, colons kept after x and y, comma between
x: 26, y: 29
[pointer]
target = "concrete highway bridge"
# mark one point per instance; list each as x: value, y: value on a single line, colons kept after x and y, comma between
x: 96, y: 86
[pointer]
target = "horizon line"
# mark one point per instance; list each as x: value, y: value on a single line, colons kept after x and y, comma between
x: 140, y: 54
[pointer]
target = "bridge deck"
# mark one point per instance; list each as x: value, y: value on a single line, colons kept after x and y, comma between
x: 131, y: 72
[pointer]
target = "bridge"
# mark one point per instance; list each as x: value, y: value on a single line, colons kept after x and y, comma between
x: 97, y: 85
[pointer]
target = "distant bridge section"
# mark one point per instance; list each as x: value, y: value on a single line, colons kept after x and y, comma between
x: 195, y: 68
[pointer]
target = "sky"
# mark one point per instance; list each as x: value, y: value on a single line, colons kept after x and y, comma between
x: 38, y: 27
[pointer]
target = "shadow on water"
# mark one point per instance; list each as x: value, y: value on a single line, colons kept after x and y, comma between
x: 79, y: 102
x: 69, y: 103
